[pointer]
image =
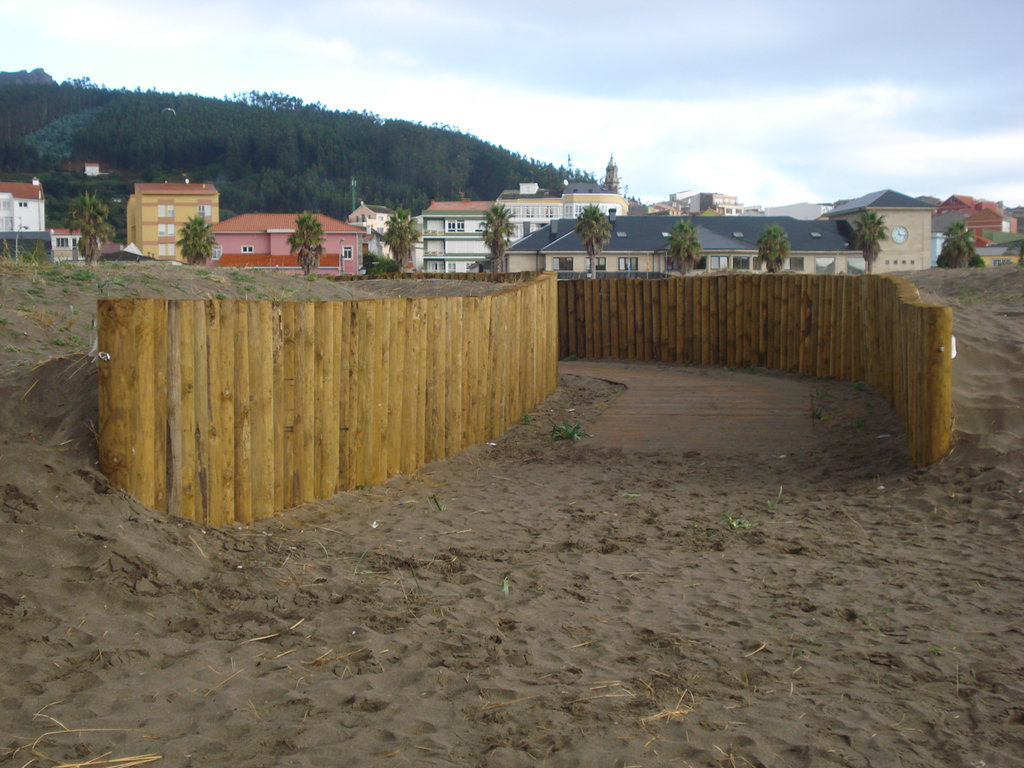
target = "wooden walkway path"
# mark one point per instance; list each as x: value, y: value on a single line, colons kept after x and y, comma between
x: 676, y: 408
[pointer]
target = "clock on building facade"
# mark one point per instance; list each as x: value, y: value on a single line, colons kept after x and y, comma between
x: 899, y: 234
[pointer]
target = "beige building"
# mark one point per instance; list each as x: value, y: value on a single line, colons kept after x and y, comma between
x: 157, y: 211
x: 374, y: 218
x: 532, y: 207
x: 909, y: 222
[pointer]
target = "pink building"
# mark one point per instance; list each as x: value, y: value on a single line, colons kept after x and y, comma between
x: 261, y: 240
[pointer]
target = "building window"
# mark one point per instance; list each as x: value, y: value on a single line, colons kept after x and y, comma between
x: 247, y: 249
x: 824, y: 266
x: 795, y: 263
x: 22, y: 204
x: 718, y: 262
x: 855, y: 265
x: 62, y: 242
x: 628, y: 263
x: 741, y: 262
x: 218, y: 251
x: 205, y: 210
x: 346, y: 252
x: 563, y: 263
x: 456, y: 226
x: 165, y: 230
x: 167, y: 250
x: 165, y: 211
x: 602, y: 264
x: 451, y: 265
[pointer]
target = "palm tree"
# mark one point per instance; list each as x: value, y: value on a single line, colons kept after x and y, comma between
x: 868, y: 233
x: 684, y: 245
x: 958, y: 249
x: 497, y: 232
x: 196, y: 240
x: 307, y: 241
x: 400, y: 236
x: 772, y: 247
x: 594, y: 230
x: 89, y: 216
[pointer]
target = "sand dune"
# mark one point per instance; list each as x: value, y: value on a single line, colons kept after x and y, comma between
x: 538, y: 602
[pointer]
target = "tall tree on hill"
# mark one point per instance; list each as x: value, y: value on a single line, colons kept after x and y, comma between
x: 772, y: 247
x: 196, y: 240
x: 958, y: 250
x: 594, y: 229
x: 497, y: 233
x: 307, y: 241
x: 400, y: 236
x: 869, y: 232
x: 89, y: 215
x: 683, y: 245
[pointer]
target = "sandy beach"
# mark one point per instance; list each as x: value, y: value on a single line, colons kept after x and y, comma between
x: 816, y: 601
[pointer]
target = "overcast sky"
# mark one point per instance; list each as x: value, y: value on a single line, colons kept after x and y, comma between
x: 774, y: 101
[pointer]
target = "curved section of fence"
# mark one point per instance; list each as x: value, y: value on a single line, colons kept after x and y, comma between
x: 228, y: 411
x: 870, y: 328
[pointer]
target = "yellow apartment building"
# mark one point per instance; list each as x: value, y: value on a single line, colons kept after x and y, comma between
x: 157, y: 211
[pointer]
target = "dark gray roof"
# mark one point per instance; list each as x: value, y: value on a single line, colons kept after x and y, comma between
x: 584, y: 188
x: 885, y: 198
x: 716, y: 233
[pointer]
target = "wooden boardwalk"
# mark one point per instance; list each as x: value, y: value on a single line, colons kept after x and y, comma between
x: 675, y: 408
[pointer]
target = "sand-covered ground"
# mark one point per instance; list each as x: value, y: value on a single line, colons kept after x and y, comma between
x: 528, y: 603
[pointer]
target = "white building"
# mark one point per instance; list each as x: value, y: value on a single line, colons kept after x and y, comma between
x: 22, y: 207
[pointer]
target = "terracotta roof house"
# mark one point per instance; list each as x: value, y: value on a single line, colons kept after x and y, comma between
x: 955, y: 203
x: 260, y: 240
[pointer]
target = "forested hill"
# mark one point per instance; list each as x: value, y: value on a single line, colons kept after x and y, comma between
x: 264, y: 152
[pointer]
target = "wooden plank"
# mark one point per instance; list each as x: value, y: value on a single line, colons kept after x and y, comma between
x: 143, y: 429
x: 707, y: 319
x: 224, y: 363
x: 261, y: 317
x: 288, y: 470
x: 173, y: 469
x: 282, y: 416
x: 186, y: 469
x: 328, y: 398
x: 116, y: 391
x: 342, y: 341
x: 243, y: 506
x: 305, y: 400
x: 160, y: 404
x: 434, y: 424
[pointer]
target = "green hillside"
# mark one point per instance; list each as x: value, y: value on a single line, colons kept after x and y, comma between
x: 264, y: 151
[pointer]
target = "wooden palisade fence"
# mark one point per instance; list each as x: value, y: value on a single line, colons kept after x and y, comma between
x: 869, y: 328
x: 228, y: 411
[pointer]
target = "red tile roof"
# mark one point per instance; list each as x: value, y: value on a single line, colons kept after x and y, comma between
x: 176, y: 189
x: 262, y: 222
x: 22, y: 190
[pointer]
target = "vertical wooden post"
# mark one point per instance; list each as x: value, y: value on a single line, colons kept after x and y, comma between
x: 261, y: 415
x: 116, y: 389
x: 243, y: 505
